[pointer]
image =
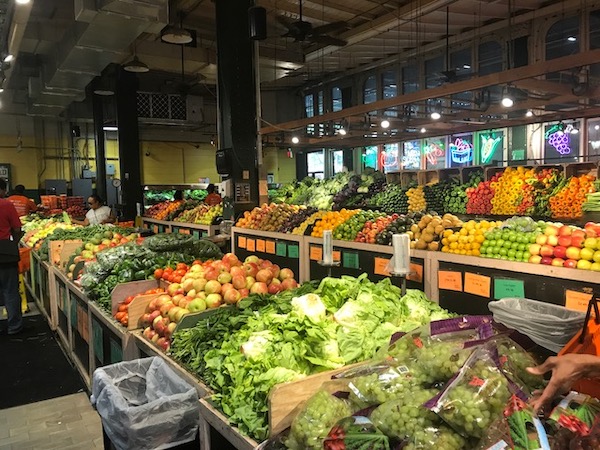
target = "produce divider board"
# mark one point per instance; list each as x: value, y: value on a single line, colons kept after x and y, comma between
x: 283, y: 249
x: 466, y: 285
x: 61, y: 251
x: 79, y: 331
x: 60, y: 297
x: 219, y: 423
x: 138, y: 306
x: 157, y: 226
x: 197, y: 230
x: 110, y: 342
x: 191, y: 319
x: 48, y: 306
x: 357, y: 258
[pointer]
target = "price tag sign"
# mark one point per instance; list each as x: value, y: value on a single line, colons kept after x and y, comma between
x: 337, y: 255
x: 98, y: 341
x: 116, y: 352
x: 316, y: 253
x: 281, y: 249
x: 242, y: 241
x: 196, y: 234
x: 450, y: 281
x: 184, y: 231
x: 155, y: 229
x: 293, y: 251
x: 506, y: 288
x: 260, y: 245
x: 250, y: 245
x: 270, y: 247
x: 477, y: 284
x: 73, y: 313
x: 416, y: 273
x: 381, y: 266
x: 577, y: 301
x: 350, y: 260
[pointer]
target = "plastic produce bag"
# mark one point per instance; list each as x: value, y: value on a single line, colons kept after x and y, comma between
x: 145, y: 405
x: 356, y: 432
x: 514, y: 361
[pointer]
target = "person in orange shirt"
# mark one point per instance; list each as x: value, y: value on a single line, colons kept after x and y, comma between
x: 23, y: 205
x: 212, y: 198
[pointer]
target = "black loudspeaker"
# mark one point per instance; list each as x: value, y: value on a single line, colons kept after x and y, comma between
x: 223, y: 160
x: 257, y: 19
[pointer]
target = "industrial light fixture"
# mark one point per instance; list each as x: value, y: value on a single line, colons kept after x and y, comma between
x: 342, y: 131
x: 110, y: 128
x: 295, y: 139
x: 572, y: 39
x: 507, y: 100
x: 103, y: 86
x: 435, y: 115
x: 176, y: 35
x: 529, y: 113
x: 8, y: 58
x: 136, y: 66
x: 423, y: 130
x: 22, y: 2
x: 1, y: 90
x: 385, y: 123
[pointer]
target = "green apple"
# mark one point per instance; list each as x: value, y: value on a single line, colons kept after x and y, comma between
x: 584, y: 264
x: 586, y: 253
x: 595, y: 267
x: 590, y: 243
x: 596, y: 256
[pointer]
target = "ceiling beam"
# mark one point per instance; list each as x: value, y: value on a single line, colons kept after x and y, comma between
x: 508, y: 76
x: 534, y: 84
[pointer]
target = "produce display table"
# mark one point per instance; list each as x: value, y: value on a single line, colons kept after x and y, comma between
x: 33, y: 282
x: 196, y: 230
x: 157, y: 226
x: 283, y: 249
x: 218, y: 423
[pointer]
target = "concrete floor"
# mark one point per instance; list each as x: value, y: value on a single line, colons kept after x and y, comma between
x: 63, y: 423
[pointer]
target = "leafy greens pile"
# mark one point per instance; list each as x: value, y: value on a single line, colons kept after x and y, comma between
x: 242, y: 353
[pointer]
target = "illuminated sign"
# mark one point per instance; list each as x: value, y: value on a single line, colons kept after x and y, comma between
x: 489, y: 145
x: 433, y: 151
x: 389, y: 157
x: 461, y: 151
x: 411, y: 158
x: 558, y: 136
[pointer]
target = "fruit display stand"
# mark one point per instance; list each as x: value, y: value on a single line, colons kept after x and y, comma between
x: 285, y: 250
x: 197, y: 230
x: 356, y: 258
x: 466, y: 284
x: 157, y: 226
x: 216, y: 422
x: 74, y: 322
x: 34, y: 282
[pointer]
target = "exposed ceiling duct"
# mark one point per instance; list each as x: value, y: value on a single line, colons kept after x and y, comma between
x: 101, y: 34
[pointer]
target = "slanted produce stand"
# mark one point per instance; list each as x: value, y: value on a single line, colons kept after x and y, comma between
x: 157, y: 226
x: 217, y: 422
x: 197, y: 230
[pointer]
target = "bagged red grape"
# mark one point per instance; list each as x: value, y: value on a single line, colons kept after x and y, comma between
x: 356, y: 433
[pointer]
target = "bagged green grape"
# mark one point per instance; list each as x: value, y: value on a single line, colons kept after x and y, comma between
x: 441, y: 437
x: 356, y: 433
x: 404, y: 417
x: 380, y: 383
x: 576, y: 412
x: 312, y: 424
x: 514, y: 362
x: 518, y: 429
x: 475, y: 397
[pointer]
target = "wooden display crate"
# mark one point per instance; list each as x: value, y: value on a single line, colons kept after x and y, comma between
x: 157, y: 226
x: 196, y: 230
x: 578, y: 169
x: 60, y: 251
x: 428, y: 176
x: 450, y: 173
x: 218, y: 422
x: 466, y: 172
x: 393, y: 177
x: 409, y: 177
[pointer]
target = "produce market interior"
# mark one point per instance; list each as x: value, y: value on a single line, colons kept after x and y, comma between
x: 300, y: 224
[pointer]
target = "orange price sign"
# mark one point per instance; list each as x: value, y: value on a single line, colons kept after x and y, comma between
x: 381, y: 266
x: 250, y: 245
x: 270, y: 247
x: 260, y: 245
x: 316, y: 253
x: 450, y: 281
x: 337, y: 255
x: 242, y: 242
x: 416, y: 273
x: 577, y: 301
x: 477, y: 284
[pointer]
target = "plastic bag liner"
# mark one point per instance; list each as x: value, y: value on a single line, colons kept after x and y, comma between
x: 145, y: 405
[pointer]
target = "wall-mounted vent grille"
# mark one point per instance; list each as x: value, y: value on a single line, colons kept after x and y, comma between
x: 161, y: 106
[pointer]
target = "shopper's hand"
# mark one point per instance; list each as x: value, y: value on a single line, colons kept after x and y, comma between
x: 566, y: 370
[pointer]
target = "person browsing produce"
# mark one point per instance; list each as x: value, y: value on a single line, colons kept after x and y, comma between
x: 212, y: 198
x: 23, y: 205
x: 97, y: 214
x: 566, y: 370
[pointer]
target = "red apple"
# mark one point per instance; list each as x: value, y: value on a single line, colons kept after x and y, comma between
x: 221, y: 266
x: 573, y: 253
x: 211, y: 273
x: 578, y: 240
x: 238, y: 281
x: 285, y: 273
x: 232, y: 296
x: 237, y: 270
x: 183, y: 304
x: 560, y: 251
x: 162, y: 299
x: 244, y: 292
x: 547, y: 260
x: 265, y: 264
x: 259, y: 288
x: 212, y: 287
x: 164, y: 309
x: 570, y: 263
x: 559, y: 262
x: 224, y: 277
x: 564, y: 240
x: 230, y: 259
x: 565, y: 230
x: 249, y: 282
x: 264, y: 276
x: 288, y: 283
x: 535, y: 259
x: 153, y: 315
x: 274, y: 286
x: 187, y: 284
x: 213, y: 300
x: 225, y: 287
x: 175, y: 288
x: 251, y: 269
x: 547, y: 250
x: 275, y: 270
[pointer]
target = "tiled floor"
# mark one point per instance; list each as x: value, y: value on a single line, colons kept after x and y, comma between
x: 63, y: 423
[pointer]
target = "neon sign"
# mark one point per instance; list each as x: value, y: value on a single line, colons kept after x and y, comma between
x: 489, y: 145
x: 389, y: 158
x: 558, y: 136
x: 461, y: 151
x: 433, y: 151
x: 411, y: 159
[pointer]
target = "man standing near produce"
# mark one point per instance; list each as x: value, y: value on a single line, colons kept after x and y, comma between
x: 97, y: 214
x: 10, y: 233
x: 212, y: 198
x: 23, y: 205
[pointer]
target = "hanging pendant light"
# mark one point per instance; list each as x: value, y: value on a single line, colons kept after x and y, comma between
x: 136, y: 66
x: 173, y: 34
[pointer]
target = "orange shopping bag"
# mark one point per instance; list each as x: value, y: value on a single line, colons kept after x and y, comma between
x: 587, y: 342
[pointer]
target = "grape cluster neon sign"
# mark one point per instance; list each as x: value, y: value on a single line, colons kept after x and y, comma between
x: 558, y: 136
x: 489, y: 145
x: 461, y: 151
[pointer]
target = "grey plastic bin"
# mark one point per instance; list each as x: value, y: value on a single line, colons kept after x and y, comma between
x: 145, y: 405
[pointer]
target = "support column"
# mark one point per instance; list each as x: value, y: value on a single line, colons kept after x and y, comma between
x: 237, y: 99
x: 129, y: 144
x: 98, y: 111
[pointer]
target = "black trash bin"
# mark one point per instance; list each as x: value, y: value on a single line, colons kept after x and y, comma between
x: 145, y: 405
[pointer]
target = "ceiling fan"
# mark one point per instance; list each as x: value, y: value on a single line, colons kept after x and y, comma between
x: 303, y: 31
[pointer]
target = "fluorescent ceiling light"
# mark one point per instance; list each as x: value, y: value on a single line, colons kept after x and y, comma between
x: 110, y: 128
